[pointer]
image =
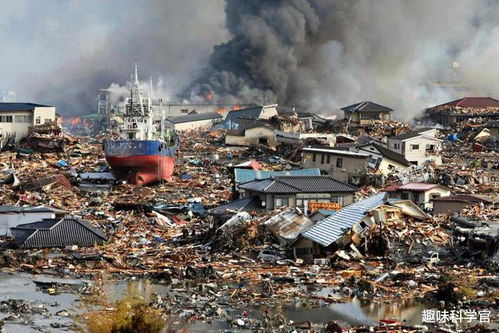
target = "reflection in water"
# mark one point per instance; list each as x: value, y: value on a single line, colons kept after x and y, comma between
x: 357, y: 312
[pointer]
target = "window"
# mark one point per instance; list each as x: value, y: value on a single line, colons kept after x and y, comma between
x: 339, y: 162
x: 279, y: 202
x: 6, y: 119
x: 435, y: 195
x: 415, y: 147
x: 338, y: 200
x: 328, y: 159
x: 396, y: 146
x: 415, y: 197
x: 430, y: 147
x: 23, y: 119
x: 369, y: 116
x: 38, y: 120
x: 314, y: 157
x: 404, y: 196
x: 184, y: 111
x: 322, y: 158
x: 131, y: 136
x: 363, y: 225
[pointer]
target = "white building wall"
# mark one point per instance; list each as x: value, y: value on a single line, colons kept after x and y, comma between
x: 193, y: 125
x: 11, y: 220
x: 42, y: 115
x: 269, y: 111
x: 420, y: 154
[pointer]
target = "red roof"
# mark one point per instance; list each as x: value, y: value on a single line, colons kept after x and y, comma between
x: 418, y: 187
x: 473, y: 102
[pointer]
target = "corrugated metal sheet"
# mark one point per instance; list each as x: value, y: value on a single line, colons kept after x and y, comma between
x: 288, y: 224
x: 247, y: 175
x: 330, y: 229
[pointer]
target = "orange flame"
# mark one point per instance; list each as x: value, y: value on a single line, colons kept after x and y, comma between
x: 236, y: 107
x: 221, y: 111
x: 75, y: 121
x: 209, y: 96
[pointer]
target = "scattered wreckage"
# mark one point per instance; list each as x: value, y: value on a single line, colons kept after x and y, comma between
x: 197, y: 235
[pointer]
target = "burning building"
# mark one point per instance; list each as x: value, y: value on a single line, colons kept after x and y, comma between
x: 464, y: 109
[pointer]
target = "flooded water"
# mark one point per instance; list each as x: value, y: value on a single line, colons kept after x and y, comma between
x: 21, y: 286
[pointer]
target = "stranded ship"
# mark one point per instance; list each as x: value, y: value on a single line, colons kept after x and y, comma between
x: 142, y: 154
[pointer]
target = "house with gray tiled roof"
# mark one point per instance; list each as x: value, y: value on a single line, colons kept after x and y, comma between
x: 64, y: 232
x: 299, y: 191
x: 366, y: 112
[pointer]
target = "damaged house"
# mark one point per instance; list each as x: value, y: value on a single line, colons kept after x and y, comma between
x: 464, y: 109
x: 12, y: 216
x: 422, y: 194
x: 251, y: 132
x: 347, y: 228
x: 367, y: 112
x: 17, y: 118
x: 233, y: 117
x: 318, y: 239
x: 456, y: 203
x: 383, y: 160
x: 418, y: 147
x: 343, y: 165
x: 299, y: 191
x: 247, y: 175
x: 49, y: 233
x: 194, y: 121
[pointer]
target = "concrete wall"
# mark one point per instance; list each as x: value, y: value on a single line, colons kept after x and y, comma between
x: 252, y: 136
x: 350, y: 165
x: 192, y: 125
x: 14, y: 219
x: 269, y: 111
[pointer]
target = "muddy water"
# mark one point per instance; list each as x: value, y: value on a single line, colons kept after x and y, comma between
x: 21, y: 286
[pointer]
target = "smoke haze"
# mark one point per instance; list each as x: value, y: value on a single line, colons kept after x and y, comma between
x: 61, y: 52
x: 316, y: 54
x: 325, y: 54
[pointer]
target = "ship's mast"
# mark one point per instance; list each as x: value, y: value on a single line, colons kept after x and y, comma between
x: 136, y: 85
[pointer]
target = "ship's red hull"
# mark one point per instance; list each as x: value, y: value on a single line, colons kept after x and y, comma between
x: 143, y: 169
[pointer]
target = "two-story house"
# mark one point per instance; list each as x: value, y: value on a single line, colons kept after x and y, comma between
x: 418, y: 146
x: 342, y: 165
